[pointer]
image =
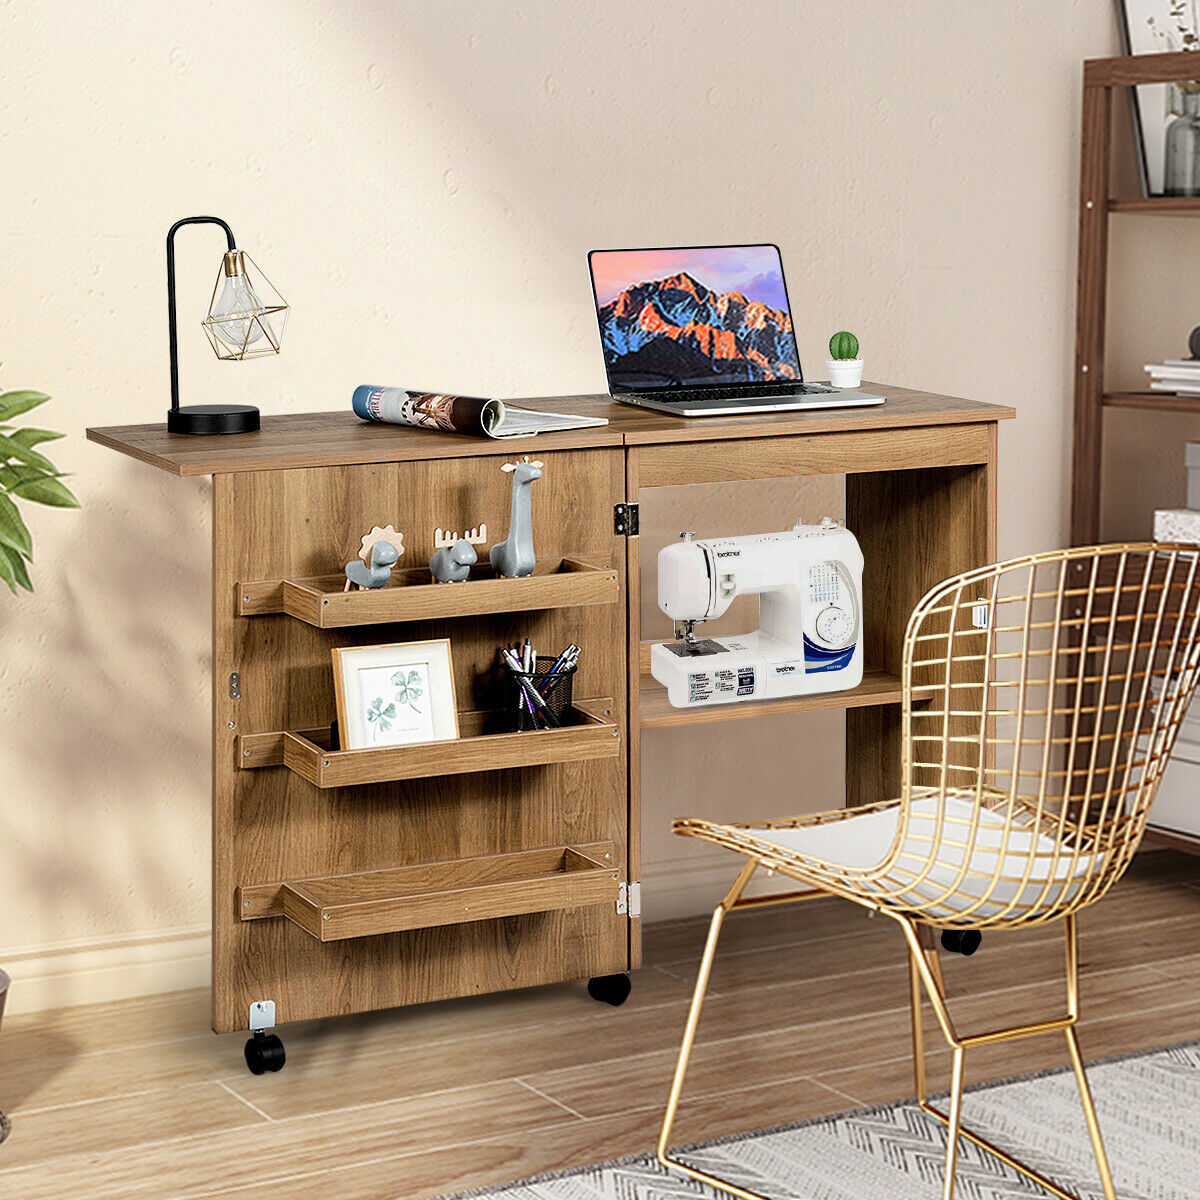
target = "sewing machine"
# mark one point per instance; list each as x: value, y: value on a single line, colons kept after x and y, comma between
x: 809, y: 583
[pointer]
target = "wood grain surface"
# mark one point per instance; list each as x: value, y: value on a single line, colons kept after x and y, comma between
x: 273, y: 824
x: 339, y: 438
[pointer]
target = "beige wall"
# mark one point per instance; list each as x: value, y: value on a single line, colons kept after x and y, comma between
x: 422, y: 181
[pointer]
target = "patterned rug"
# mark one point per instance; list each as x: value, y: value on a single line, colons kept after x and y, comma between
x: 1148, y: 1103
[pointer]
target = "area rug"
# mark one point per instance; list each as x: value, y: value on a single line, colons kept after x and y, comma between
x: 1149, y: 1107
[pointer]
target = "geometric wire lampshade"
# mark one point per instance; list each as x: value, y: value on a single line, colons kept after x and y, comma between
x: 247, y: 315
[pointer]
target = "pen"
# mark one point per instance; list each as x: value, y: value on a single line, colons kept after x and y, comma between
x: 531, y: 693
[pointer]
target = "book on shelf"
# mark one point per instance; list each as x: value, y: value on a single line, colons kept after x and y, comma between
x: 450, y: 413
x: 1179, y: 389
x: 1178, y: 375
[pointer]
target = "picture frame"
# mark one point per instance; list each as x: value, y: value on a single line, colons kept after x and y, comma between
x: 397, y: 694
x: 1157, y: 27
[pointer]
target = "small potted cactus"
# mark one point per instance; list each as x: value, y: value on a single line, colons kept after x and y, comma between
x: 845, y: 367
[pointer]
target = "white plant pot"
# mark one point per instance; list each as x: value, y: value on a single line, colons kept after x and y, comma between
x: 844, y: 372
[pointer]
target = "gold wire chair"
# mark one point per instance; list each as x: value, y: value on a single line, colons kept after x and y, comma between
x: 1041, y: 699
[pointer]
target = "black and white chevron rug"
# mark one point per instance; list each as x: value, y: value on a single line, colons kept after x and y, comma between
x: 1149, y: 1108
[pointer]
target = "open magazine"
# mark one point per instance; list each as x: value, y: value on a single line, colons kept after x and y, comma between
x: 460, y: 414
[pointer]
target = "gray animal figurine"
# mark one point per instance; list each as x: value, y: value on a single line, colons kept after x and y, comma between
x: 455, y: 556
x: 377, y: 573
x: 514, y: 557
x: 379, y: 552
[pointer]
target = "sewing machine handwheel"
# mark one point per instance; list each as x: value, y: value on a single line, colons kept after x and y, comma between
x: 610, y: 989
x: 961, y: 941
x: 264, y: 1052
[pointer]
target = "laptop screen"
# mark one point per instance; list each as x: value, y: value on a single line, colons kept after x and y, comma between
x: 693, y: 317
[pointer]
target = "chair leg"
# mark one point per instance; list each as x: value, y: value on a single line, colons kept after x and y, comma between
x: 689, y: 1036
x: 954, y: 1123
x: 922, y: 976
x: 1089, y: 1113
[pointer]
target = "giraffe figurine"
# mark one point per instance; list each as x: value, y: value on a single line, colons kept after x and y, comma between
x: 514, y: 557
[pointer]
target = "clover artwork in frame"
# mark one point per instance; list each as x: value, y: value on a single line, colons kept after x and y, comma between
x: 394, y: 695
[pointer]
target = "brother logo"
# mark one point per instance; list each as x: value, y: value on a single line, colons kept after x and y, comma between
x: 785, y: 669
x: 729, y: 554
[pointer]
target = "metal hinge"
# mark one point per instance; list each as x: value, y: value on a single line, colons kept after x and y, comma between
x: 629, y: 899
x: 262, y: 1015
x: 625, y: 519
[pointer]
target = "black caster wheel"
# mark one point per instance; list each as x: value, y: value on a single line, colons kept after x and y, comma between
x: 961, y: 941
x: 264, y: 1052
x: 610, y: 989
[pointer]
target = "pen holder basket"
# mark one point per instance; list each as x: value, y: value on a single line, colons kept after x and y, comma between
x: 555, y: 689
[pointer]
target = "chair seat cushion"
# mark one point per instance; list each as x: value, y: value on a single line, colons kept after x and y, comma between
x: 1029, y: 869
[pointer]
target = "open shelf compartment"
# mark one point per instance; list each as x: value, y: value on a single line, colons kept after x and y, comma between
x: 484, y: 744
x: 410, y: 596
x: 333, y: 907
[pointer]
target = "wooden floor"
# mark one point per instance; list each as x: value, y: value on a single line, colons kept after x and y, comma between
x: 806, y: 1016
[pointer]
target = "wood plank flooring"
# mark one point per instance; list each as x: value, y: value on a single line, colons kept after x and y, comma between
x: 807, y: 1015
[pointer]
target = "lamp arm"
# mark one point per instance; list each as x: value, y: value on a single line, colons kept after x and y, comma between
x: 171, y: 291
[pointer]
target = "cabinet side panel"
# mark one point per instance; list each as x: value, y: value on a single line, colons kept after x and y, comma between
x: 269, y: 824
x: 916, y: 528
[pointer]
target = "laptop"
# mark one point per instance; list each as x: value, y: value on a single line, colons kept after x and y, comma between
x: 703, y: 331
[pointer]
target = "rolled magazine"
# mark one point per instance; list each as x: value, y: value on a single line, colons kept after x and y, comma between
x: 459, y: 414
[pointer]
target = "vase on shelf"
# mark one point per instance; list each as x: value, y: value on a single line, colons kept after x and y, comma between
x: 1181, y: 169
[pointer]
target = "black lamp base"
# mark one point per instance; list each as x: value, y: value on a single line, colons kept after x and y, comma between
x: 213, y: 418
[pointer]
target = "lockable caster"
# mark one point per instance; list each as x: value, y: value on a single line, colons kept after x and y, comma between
x: 610, y: 989
x: 264, y: 1052
x: 961, y: 941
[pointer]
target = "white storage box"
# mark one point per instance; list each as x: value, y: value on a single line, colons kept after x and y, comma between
x: 1177, y: 524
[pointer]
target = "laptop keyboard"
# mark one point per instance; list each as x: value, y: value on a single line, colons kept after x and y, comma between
x: 765, y: 390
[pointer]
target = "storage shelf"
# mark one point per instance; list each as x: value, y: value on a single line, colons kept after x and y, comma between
x: 1164, y: 206
x: 1156, y: 401
x: 591, y: 733
x: 333, y: 907
x: 410, y: 596
x: 877, y: 687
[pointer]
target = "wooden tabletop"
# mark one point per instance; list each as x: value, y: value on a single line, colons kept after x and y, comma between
x: 336, y: 438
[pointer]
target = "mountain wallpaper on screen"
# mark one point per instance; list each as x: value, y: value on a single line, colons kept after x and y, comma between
x: 679, y: 328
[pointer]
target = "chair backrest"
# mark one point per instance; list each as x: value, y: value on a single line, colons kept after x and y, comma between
x: 1047, y: 691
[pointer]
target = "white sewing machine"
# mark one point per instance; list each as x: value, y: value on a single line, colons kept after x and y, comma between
x: 809, y: 583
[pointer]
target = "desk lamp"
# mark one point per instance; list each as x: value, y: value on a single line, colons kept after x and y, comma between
x: 245, y: 319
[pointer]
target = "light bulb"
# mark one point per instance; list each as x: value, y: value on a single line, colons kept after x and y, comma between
x: 237, y: 299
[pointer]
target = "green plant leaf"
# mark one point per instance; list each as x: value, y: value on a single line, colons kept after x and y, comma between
x: 12, y: 529
x: 13, y: 569
x: 45, y: 490
x: 12, y: 404
x: 11, y: 448
x: 33, y: 437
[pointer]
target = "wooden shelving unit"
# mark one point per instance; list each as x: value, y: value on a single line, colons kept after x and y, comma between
x: 366, y: 903
x: 1101, y: 78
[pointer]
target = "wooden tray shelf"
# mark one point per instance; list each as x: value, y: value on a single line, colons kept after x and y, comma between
x: 333, y: 907
x: 484, y: 745
x: 410, y: 596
